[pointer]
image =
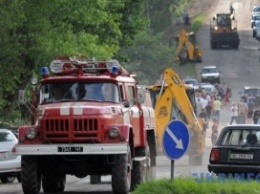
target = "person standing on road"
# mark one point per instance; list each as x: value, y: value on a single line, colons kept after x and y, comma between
x: 209, y: 109
x: 203, y: 115
x: 234, y: 113
x: 214, y: 133
x: 227, y: 97
x: 242, y: 111
x: 251, y: 106
x: 216, y: 108
x: 256, y: 115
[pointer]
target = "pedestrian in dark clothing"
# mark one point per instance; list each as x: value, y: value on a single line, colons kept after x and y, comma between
x: 203, y: 115
x: 231, y: 9
x: 256, y: 115
x: 209, y: 110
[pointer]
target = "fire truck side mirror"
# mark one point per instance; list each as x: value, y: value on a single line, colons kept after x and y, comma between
x: 21, y: 98
x: 141, y: 95
x: 126, y: 103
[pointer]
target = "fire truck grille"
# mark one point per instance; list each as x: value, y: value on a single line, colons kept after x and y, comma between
x: 74, y: 129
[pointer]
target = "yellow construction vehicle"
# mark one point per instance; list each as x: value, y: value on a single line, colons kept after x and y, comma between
x: 187, y: 50
x: 223, y: 31
x: 172, y: 100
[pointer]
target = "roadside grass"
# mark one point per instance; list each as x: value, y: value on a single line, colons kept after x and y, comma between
x: 192, y: 186
x: 197, y: 22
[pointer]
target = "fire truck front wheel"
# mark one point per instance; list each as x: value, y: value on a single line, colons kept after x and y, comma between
x: 121, y: 173
x: 30, y: 174
x: 53, y: 182
x: 141, y: 169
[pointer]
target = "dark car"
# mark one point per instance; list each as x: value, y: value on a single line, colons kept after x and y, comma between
x: 254, y: 19
x: 256, y: 27
x: 189, y: 80
x: 236, y: 151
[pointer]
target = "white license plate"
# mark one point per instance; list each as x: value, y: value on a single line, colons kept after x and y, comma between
x: 241, y: 156
x: 3, y: 155
x: 70, y: 149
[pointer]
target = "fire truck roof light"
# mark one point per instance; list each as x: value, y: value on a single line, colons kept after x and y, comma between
x: 44, y: 71
x: 56, y: 66
x: 114, y: 70
x: 65, y: 66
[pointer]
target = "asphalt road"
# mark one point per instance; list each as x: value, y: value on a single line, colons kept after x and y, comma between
x: 238, y: 68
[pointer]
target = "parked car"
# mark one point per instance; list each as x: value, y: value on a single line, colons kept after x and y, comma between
x: 255, y: 28
x: 10, y: 164
x: 255, y: 10
x: 253, y: 91
x: 254, y: 19
x: 189, y: 80
x: 210, y: 74
x: 208, y: 87
x: 237, y: 150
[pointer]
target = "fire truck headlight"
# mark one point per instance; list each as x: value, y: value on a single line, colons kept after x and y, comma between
x: 113, y: 132
x: 40, y: 112
x: 31, y: 133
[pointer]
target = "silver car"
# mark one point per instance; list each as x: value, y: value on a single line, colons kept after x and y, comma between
x: 10, y: 164
x: 210, y: 74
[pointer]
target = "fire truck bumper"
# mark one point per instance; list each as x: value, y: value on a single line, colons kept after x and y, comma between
x: 68, y: 149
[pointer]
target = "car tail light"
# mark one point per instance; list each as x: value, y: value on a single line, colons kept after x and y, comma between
x: 214, y: 155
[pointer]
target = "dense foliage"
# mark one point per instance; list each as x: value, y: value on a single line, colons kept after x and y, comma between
x: 34, y: 32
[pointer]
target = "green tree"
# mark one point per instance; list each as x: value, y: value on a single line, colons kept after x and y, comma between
x: 34, y: 32
x: 149, y: 58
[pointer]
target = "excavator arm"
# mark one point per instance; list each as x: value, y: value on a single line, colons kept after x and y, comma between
x: 187, y: 50
x: 185, y: 44
x: 172, y: 103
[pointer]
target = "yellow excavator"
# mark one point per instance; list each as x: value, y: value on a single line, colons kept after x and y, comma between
x: 187, y: 50
x: 172, y: 99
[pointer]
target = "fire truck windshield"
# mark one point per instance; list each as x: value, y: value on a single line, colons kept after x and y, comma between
x: 80, y: 91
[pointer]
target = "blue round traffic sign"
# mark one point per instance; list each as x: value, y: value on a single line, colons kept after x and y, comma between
x: 175, y: 140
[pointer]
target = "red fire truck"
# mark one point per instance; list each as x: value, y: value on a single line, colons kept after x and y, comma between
x: 88, y: 118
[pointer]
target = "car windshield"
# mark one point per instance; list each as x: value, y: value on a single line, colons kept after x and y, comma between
x: 256, y: 9
x: 5, y: 136
x: 191, y: 81
x: 100, y: 91
x: 251, y: 92
x: 209, y: 70
x: 241, y: 137
x: 256, y: 17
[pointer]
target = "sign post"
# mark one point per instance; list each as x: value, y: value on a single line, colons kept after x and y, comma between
x: 175, y: 141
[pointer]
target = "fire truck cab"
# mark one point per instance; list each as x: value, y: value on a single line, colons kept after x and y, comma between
x: 89, y: 118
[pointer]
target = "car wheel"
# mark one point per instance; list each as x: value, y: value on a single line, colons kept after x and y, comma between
x: 19, y: 178
x: 31, y: 175
x: 7, y: 179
